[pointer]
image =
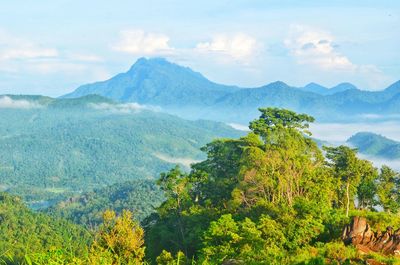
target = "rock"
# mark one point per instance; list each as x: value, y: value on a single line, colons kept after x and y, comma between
x: 374, y: 262
x: 360, y: 234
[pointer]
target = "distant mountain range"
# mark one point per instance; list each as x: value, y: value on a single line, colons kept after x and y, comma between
x: 181, y: 91
x: 318, y: 89
x: 375, y: 145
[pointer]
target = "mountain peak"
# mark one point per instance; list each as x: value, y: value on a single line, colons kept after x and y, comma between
x: 312, y: 84
x: 157, y: 81
x: 393, y: 88
x: 153, y: 61
x: 277, y: 84
x: 317, y: 88
x: 162, y: 66
x: 343, y: 86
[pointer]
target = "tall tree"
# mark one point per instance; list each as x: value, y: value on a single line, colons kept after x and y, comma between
x: 388, y: 189
x: 279, y: 161
x: 355, y: 177
x: 120, y: 240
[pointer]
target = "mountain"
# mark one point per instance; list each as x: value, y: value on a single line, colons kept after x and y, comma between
x: 375, y: 145
x: 318, y: 89
x: 157, y: 82
x: 140, y: 196
x: 53, y: 148
x: 179, y: 90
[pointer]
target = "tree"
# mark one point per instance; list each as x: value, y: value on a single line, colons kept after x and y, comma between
x: 355, y: 177
x: 278, y: 120
x: 279, y: 162
x: 388, y: 189
x: 118, y: 241
x: 366, y: 190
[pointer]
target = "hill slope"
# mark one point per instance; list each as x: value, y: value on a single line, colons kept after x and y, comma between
x: 66, y: 146
x: 141, y: 197
x: 22, y: 230
x: 376, y: 145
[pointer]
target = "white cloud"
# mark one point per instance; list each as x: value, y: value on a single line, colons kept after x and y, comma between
x: 139, y: 42
x: 187, y: 162
x: 239, y: 127
x: 240, y: 47
x: 379, y: 162
x: 122, y: 108
x: 9, y: 103
x: 27, y: 52
x: 20, y: 57
x: 316, y: 47
x: 13, y: 48
x: 91, y: 58
x: 340, y: 132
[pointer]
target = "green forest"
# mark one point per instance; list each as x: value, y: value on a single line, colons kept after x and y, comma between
x: 269, y: 197
x: 60, y: 147
x: 141, y: 197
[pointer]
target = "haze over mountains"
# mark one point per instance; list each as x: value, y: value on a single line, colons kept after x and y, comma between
x: 107, y: 132
x: 181, y: 91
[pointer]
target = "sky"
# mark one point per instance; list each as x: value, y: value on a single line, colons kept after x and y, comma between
x: 50, y: 47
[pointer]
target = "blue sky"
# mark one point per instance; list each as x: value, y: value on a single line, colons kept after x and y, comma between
x: 52, y: 46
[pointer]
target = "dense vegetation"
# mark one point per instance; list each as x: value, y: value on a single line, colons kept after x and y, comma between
x: 141, y: 197
x: 24, y: 232
x: 186, y: 93
x: 270, y: 197
x: 375, y: 145
x: 53, y: 148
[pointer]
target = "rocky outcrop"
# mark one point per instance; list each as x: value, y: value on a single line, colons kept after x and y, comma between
x: 360, y: 234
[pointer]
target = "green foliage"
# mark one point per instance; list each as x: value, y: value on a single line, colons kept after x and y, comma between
x: 140, y: 197
x: 388, y: 189
x: 118, y: 241
x: 166, y: 258
x: 24, y: 232
x: 355, y: 177
x: 270, y: 197
x: 245, y: 240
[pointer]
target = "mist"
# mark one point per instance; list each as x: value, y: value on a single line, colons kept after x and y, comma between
x: 9, y: 103
x: 340, y: 132
x: 122, y: 108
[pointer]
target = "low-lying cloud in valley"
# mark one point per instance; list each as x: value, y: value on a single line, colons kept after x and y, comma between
x: 340, y: 132
x: 185, y: 161
x: 379, y: 162
x: 123, y: 108
x: 9, y: 103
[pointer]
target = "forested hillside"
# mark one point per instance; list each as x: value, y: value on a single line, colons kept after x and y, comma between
x: 23, y: 231
x: 375, y: 145
x: 141, y: 197
x: 51, y: 148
